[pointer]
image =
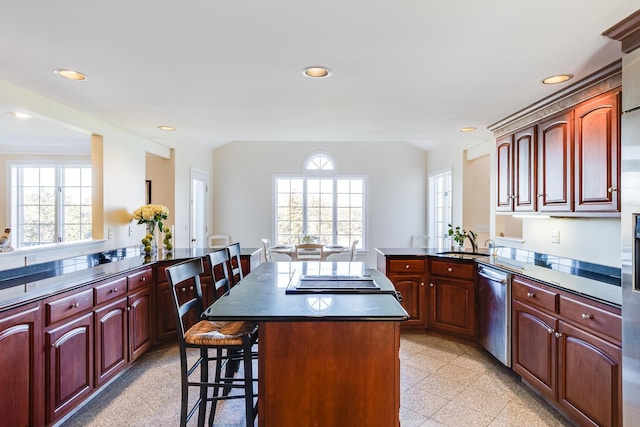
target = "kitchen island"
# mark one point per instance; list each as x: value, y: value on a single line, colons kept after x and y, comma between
x: 326, y: 358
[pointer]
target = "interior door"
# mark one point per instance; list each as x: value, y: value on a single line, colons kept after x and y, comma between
x: 198, y: 210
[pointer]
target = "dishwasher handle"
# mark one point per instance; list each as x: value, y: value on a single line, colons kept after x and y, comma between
x: 493, y: 275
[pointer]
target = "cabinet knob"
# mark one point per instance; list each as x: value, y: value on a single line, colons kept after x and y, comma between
x: 421, y: 283
x: 586, y: 316
x: 540, y: 195
x: 129, y: 308
x: 531, y: 294
x: 190, y: 288
x: 75, y: 305
x: 612, y: 189
x: 184, y: 289
x: 449, y: 269
x: 558, y: 334
x: 406, y: 267
x: 143, y: 279
x: 549, y: 331
x: 431, y: 285
x: 114, y: 290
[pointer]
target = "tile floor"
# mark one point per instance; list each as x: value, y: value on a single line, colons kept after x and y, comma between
x: 443, y: 383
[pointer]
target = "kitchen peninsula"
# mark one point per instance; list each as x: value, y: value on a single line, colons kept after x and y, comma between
x: 325, y: 358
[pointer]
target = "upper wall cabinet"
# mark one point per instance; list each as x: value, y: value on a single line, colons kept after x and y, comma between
x: 597, y: 154
x: 565, y: 163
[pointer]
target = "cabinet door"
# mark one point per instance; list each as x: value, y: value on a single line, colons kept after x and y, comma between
x: 555, y: 182
x: 111, y: 340
x: 524, y: 170
x: 140, y: 308
x: 165, y: 316
x: 452, y: 306
x: 590, y: 377
x: 411, y: 287
x: 504, y: 196
x: 69, y: 366
x: 534, y: 347
x: 21, y: 375
x: 597, y: 153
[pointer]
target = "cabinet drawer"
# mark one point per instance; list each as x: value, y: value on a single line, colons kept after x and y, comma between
x: 69, y: 306
x: 534, y: 294
x: 109, y: 290
x: 140, y: 278
x: 453, y: 269
x: 406, y: 266
x: 585, y: 314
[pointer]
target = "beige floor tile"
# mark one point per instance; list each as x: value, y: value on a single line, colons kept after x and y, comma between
x: 496, y: 383
x: 454, y: 414
x: 486, y: 403
x: 410, y: 376
x: 441, y: 386
x: 426, y: 362
x: 459, y: 373
x: 421, y: 402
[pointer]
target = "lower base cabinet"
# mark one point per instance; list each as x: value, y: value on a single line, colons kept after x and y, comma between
x: 69, y: 366
x: 22, y: 373
x: 571, y: 357
x: 111, y: 340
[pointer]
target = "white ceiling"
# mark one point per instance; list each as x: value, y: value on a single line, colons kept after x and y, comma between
x: 225, y: 70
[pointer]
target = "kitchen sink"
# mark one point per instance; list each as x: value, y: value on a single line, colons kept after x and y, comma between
x: 463, y: 255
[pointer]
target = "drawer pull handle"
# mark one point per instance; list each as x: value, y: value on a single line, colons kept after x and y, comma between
x: 558, y: 334
x: 612, y: 189
x: 74, y: 305
x: 531, y: 295
x: 431, y: 285
x: 586, y: 316
x: 184, y: 289
x: 421, y: 283
x: 449, y: 269
x: 406, y: 267
x: 550, y: 331
x: 143, y: 279
x: 114, y: 290
x: 190, y: 288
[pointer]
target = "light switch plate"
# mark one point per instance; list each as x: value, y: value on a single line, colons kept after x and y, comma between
x: 555, y: 236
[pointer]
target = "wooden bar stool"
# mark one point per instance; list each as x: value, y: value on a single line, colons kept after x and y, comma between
x: 229, y: 341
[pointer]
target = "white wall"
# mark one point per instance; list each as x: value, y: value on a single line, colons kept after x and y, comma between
x: 242, y: 187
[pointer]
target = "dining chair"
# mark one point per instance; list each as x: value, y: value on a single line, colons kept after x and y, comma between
x: 229, y: 341
x: 218, y: 240
x: 310, y: 251
x: 235, y: 265
x: 266, y: 244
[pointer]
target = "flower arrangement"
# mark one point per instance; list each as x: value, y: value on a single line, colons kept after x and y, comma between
x: 458, y: 234
x: 305, y: 238
x: 151, y: 215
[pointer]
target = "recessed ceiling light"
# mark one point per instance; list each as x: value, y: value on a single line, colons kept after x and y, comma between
x: 560, y: 78
x: 167, y: 128
x: 70, y: 74
x: 19, y: 115
x: 467, y: 129
x: 317, y: 72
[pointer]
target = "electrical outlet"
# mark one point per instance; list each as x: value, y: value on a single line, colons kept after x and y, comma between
x: 130, y: 231
x: 30, y: 259
x: 481, y: 228
x: 555, y: 236
x: 110, y: 233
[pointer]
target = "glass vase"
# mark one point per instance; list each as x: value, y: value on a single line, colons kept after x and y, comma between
x: 150, y: 242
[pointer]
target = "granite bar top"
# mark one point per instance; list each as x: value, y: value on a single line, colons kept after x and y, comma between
x: 261, y: 296
x: 24, y: 285
x: 600, y: 283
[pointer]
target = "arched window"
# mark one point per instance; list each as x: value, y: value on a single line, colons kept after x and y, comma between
x: 327, y: 207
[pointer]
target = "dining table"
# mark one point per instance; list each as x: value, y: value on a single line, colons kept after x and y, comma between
x: 326, y: 356
x: 327, y: 250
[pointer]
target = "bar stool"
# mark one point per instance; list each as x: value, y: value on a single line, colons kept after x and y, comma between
x: 230, y: 341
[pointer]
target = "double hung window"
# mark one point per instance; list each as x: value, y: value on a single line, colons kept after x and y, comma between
x: 50, y: 203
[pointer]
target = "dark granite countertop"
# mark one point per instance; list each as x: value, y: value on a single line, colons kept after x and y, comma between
x: 596, y: 282
x: 17, y: 289
x: 261, y: 296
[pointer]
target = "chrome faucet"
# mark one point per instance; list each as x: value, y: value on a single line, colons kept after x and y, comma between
x: 473, y: 239
x: 492, y: 247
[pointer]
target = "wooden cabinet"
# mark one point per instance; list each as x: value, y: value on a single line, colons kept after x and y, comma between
x: 569, y: 349
x: 597, y: 153
x: 504, y: 174
x: 140, y: 317
x: 22, y: 373
x: 555, y: 179
x: 568, y: 163
x: 452, y: 297
x: 111, y: 353
x: 408, y: 275
x: 69, y: 365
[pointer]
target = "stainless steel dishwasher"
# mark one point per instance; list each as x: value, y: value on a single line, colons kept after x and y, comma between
x: 494, y: 312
